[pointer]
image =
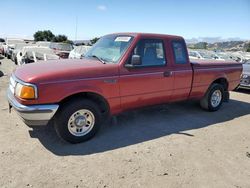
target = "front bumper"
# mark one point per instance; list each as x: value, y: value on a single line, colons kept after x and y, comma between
x: 33, y: 115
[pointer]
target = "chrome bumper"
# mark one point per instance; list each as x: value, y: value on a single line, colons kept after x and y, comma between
x: 33, y: 114
x: 244, y: 85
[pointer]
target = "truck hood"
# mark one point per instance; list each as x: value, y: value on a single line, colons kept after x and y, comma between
x: 64, y: 70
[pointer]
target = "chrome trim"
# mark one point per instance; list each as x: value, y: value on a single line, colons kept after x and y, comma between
x: 244, y: 85
x: 17, y: 80
x: 33, y: 113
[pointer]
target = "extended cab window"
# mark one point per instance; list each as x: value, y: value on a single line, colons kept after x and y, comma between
x: 151, y: 52
x: 180, y: 53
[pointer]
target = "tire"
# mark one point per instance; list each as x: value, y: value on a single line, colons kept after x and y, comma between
x: 83, y: 112
x: 208, y: 102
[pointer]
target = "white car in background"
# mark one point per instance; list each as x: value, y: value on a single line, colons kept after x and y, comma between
x: 223, y: 56
x: 18, y: 48
x: 20, y: 53
x: 204, y: 54
x: 194, y: 54
x: 78, y: 52
x: 32, y: 54
x: 10, y: 45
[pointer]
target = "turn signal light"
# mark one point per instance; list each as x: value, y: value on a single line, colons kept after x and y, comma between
x: 25, y: 92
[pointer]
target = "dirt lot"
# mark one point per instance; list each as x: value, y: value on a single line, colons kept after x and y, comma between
x: 175, y: 145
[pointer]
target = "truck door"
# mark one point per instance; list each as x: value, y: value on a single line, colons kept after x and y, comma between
x: 183, y: 72
x: 149, y: 83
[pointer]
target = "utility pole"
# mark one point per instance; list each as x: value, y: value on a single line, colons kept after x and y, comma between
x: 76, y: 28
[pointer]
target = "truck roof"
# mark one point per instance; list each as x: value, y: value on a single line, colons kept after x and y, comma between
x: 153, y: 35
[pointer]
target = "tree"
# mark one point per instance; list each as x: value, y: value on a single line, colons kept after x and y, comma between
x: 200, y: 45
x: 94, y: 40
x: 60, y: 38
x: 69, y: 42
x: 45, y: 35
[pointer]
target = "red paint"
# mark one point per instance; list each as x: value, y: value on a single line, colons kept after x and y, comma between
x: 133, y: 87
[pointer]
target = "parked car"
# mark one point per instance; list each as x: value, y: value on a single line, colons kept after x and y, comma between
x: 2, y: 47
x: 237, y: 56
x: 120, y: 72
x: 61, y: 49
x: 34, y: 54
x: 78, y: 52
x: 245, y: 77
x: 10, y: 44
x: 223, y: 56
x: 194, y: 54
x: 21, y: 52
x: 2, y: 42
x: 18, y: 48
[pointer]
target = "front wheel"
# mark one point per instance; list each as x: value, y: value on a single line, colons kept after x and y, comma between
x: 78, y: 120
x: 213, y: 99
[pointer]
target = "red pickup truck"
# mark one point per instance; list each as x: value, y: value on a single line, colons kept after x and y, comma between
x: 120, y: 72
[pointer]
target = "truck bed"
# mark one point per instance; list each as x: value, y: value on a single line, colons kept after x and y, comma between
x: 207, y: 71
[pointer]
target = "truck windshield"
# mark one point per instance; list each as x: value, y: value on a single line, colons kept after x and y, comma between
x: 110, y: 48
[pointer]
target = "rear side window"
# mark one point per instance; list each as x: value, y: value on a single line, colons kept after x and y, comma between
x: 180, y: 53
x: 151, y: 52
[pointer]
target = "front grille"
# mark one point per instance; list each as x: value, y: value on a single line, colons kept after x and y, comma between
x: 245, y: 81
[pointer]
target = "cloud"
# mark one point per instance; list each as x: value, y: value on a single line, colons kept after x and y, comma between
x: 102, y: 8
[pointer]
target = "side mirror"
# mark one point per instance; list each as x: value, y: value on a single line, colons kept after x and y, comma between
x: 135, y: 61
x: 21, y: 54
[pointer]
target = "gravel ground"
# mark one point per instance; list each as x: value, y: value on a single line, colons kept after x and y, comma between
x: 175, y: 145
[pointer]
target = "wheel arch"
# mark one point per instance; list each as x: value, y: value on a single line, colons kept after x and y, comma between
x: 94, y: 97
x: 223, y: 81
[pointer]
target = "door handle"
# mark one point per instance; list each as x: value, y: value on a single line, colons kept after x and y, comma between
x: 167, y: 73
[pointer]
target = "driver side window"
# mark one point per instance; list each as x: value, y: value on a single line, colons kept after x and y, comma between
x: 151, y: 52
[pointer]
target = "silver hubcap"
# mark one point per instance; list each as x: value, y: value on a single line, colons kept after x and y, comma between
x: 81, y: 122
x: 216, y: 98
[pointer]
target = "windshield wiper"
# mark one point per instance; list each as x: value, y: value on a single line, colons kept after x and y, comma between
x: 100, y: 59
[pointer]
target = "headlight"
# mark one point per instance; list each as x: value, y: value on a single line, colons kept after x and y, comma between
x: 25, y: 91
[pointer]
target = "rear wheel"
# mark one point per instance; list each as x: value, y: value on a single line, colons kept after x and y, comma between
x: 213, y: 99
x: 78, y: 120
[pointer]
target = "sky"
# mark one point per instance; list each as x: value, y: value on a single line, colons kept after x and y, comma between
x: 82, y: 19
